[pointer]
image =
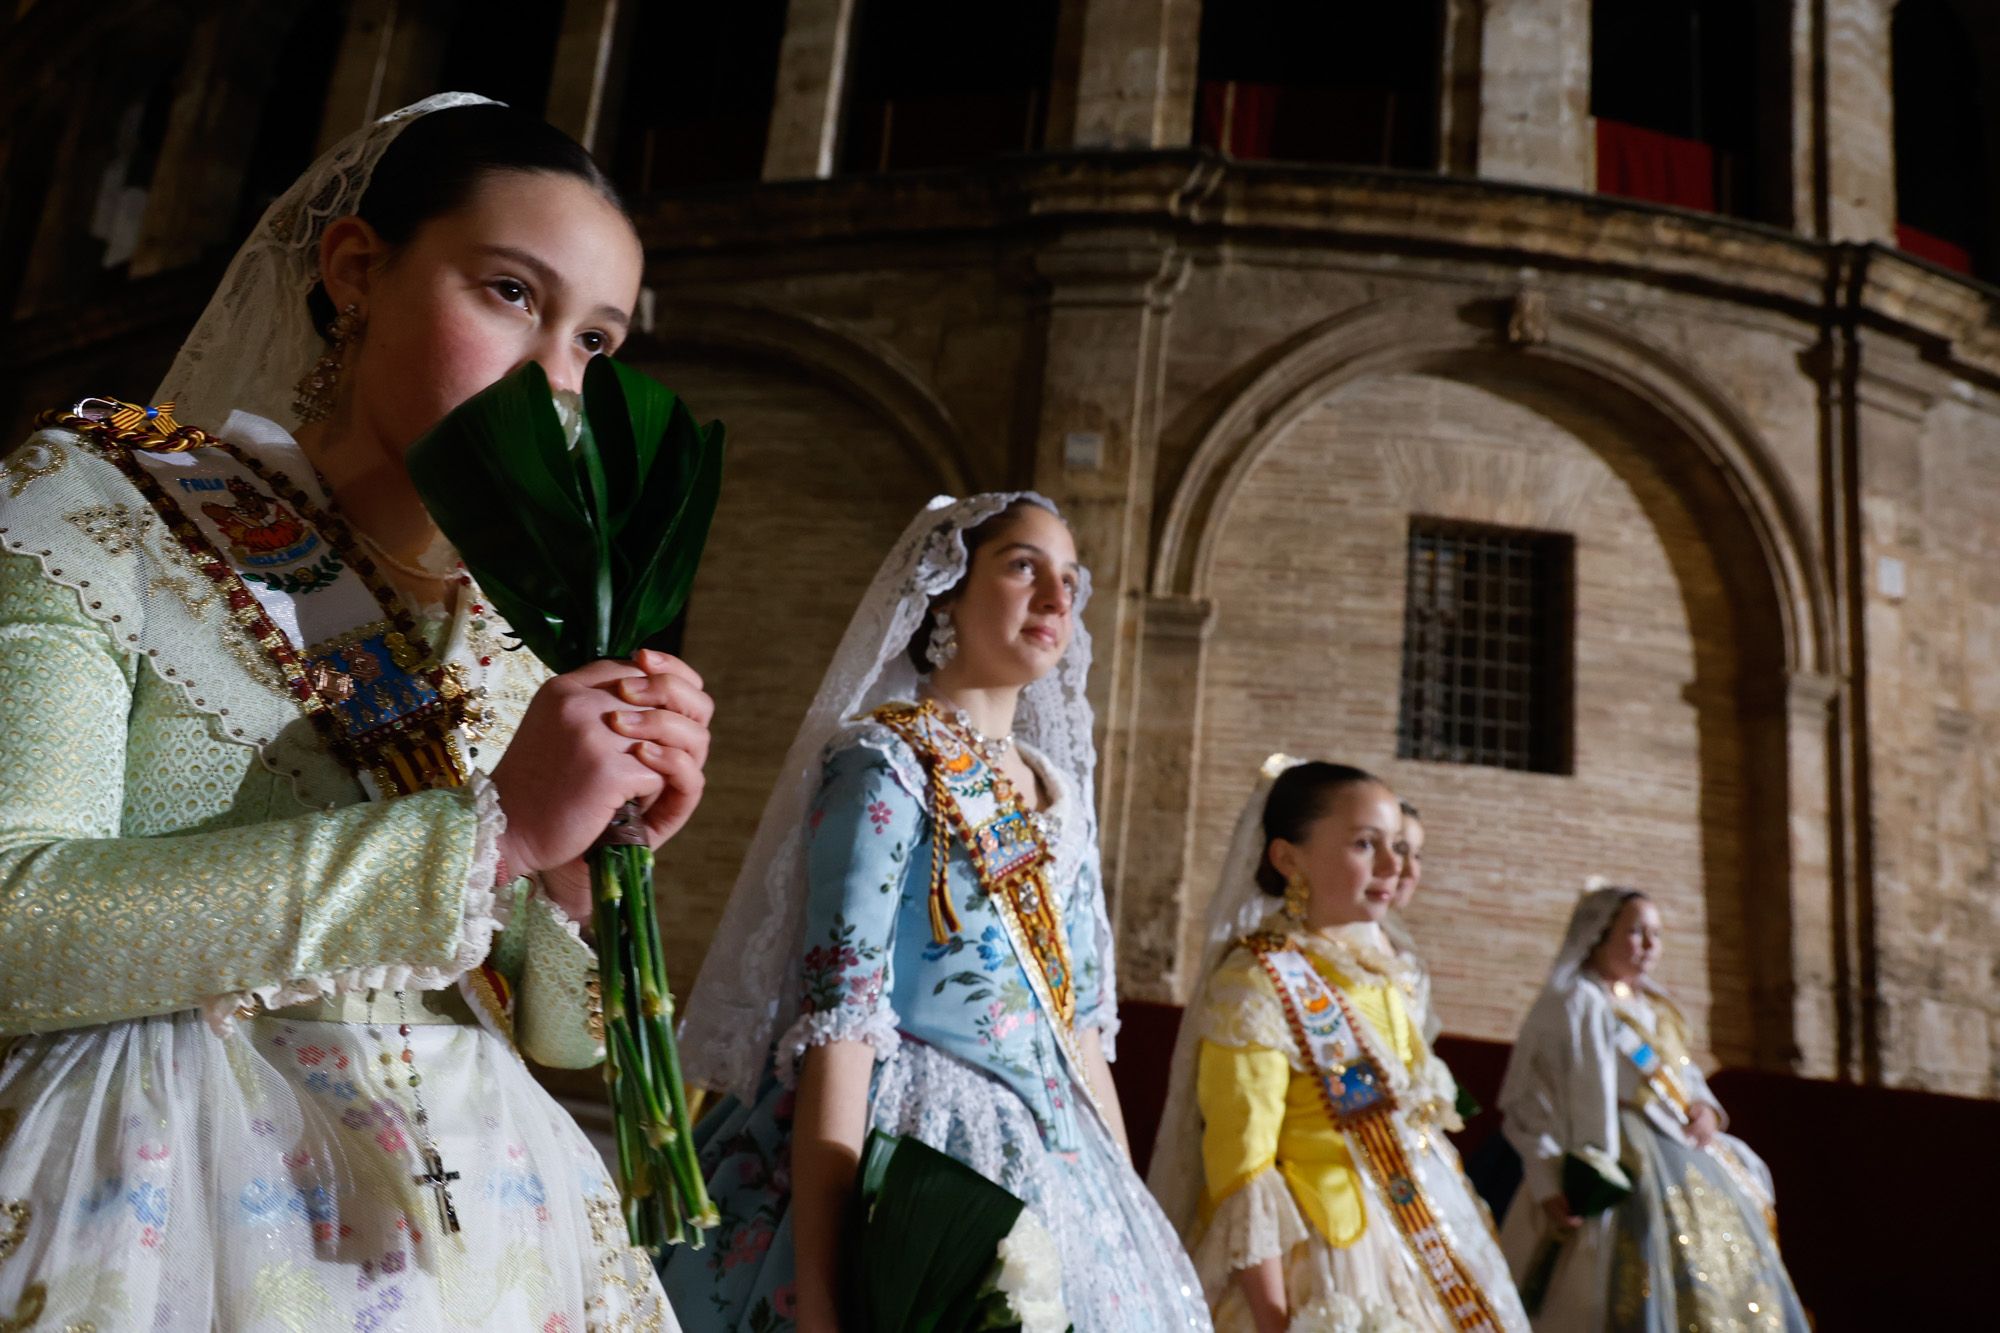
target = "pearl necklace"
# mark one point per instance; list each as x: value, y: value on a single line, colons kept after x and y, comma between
x: 990, y: 748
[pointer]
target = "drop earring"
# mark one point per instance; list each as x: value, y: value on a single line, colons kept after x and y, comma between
x: 1298, y: 896
x: 313, y: 400
x: 943, y: 645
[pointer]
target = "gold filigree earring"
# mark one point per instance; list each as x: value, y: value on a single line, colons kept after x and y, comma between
x: 313, y: 399
x: 1298, y: 896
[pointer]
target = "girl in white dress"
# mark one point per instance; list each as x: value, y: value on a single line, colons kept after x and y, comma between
x: 1602, y: 1073
x: 256, y: 943
x: 1302, y: 1150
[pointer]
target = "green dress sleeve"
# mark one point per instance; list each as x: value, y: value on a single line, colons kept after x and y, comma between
x: 558, y: 1020
x: 97, y: 925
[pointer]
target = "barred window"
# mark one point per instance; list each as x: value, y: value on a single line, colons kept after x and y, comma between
x: 1487, y: 646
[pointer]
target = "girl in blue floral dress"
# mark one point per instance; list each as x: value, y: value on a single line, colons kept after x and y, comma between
x: 918, y: 944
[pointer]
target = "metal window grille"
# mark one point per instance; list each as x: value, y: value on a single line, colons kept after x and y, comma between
x: 1487, y: 647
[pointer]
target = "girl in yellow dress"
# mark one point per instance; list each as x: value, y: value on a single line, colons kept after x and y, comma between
x: 1300, y: 1152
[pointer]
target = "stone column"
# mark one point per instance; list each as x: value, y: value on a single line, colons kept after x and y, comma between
x: 1156, y: 824
x: 1104, y: 310
x: 1891, y: 400
x: 812, y: 82
x: 1859, y: 151
x: 589, y: 75
x: 389, y: 57
x: 1812, y: 929
x: 1125, y: 75
x: 1458, y: 88
x: 1534, y: 103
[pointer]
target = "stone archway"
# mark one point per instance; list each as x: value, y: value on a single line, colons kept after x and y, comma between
x: 1754, y: 701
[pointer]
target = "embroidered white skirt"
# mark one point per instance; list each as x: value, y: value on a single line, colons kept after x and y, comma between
x: 1374, y: 1285
x: 162, y: 1177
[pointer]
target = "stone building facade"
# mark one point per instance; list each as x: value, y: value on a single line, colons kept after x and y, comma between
x: 1770, y: 438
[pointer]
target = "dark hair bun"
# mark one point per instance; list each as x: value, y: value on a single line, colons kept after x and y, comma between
x: 1300, y: 795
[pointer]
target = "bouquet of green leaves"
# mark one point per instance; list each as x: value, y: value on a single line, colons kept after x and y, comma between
x: 587, y: 547
x: 939, y: 1248
x: 1592, y: 1183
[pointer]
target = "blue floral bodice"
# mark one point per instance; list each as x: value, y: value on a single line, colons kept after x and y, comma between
x: 871, y: 965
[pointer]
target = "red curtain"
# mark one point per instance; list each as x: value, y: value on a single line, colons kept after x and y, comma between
x: 1934, y: 248
x: 1635, y: 163
x: 1238, y: 118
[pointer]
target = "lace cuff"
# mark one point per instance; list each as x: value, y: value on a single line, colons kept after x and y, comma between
x: 484, y: 910
x: 877, y: 1027
x: 1105, y: 1019
x: 904, y: 765
x: 1259, y: 1221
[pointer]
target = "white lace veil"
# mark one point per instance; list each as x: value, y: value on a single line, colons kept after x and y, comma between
x: 1238, y: 907
x: 256, y: 338
x: 744, y: 993
x: 1596, y: 908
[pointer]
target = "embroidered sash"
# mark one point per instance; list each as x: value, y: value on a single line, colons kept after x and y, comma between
x: 974, y: 803
x: 348, y: 649
x: 1635, y: 1043
x: 1354, y: 1087
x: 291, y: 574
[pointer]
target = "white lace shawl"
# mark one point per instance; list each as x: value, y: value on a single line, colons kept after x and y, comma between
x: 744, y: 996
x: 1237, y: 908
x: 1597, y: 907
x: 256, y: 338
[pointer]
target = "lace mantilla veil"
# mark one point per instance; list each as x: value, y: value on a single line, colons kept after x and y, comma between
x: 744, y: 994
x: 1238, y: 908
x: 256, y: 338
x: 1596, y: 908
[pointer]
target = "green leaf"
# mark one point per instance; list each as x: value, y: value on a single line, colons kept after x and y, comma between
x: 669, y: 530
x: 586, y: 551
x: 931, y: 1229
x: 589, y: 467
x: 631, y: 412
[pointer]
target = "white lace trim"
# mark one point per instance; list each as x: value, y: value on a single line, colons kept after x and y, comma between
x: 877, y: 1028
x: 903, y: 763
x: 1105, y: 1020
x: 558, y: 918
x: 485, y: 911
x: 1259, y: 1221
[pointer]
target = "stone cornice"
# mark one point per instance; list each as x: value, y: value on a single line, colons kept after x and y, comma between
x: 1195, y: 200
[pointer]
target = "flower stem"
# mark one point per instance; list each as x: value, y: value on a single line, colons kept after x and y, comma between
x: 665, y: 1200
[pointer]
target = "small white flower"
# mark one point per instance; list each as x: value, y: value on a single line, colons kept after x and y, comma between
x: 1604, y: 1164
x: 1031, y: 1276
x: 569, y: 411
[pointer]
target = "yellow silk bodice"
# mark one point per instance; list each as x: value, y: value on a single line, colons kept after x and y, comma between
x: 1258, y: 1112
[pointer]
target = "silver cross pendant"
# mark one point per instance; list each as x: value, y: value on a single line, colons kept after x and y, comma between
x: 439, y: 1180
